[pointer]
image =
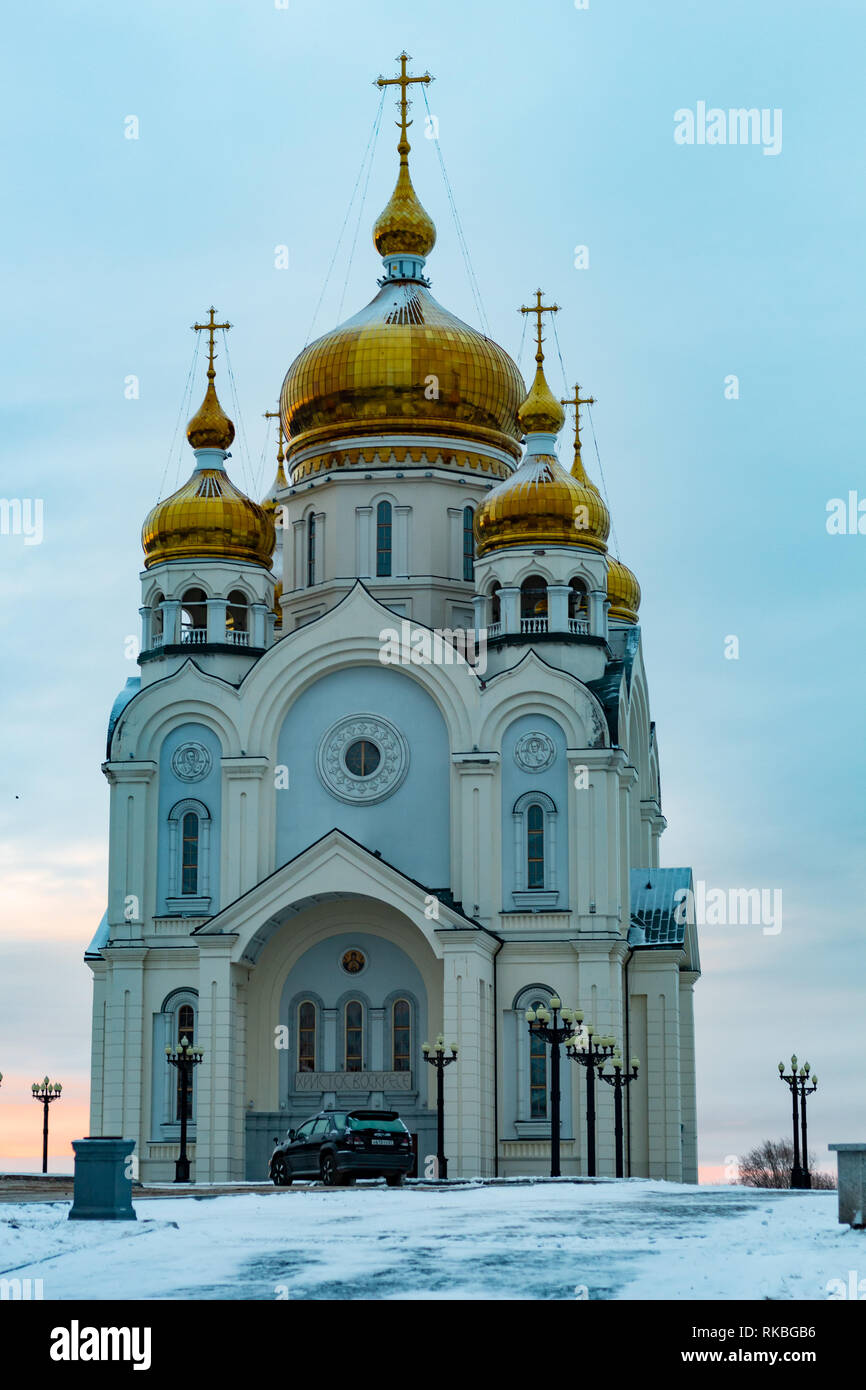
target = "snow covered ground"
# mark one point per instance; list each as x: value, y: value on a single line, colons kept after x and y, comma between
x: 559, y: 1240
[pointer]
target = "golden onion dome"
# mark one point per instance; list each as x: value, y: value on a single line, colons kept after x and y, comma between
x: 210, y: 427
x: 541, y: 412
x: 403, y: 365
x: 208, y: 516
x: 623, y: 591
x: 541, y: 503
x: 404, y: 225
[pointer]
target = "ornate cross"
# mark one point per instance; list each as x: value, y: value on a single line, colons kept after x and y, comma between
x: 538, y: 309
x: 210, y: 329
x: 275, y: 415
x: 577, y: 401
x: 404, y: 81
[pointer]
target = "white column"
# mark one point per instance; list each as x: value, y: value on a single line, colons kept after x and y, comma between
x: 476, y: 875
x: 509, y: 608
x: 689, y: 1103
x: 171, y: 622
x: 216, y: 620
x: 132, y: 878
x: 376, y: 1061
x: 146, y: 615
x: 468, y: 974
x: 400, y: 563
x: 364, y: 542
x: 557, y: 607
x: 598, y: 606
x: 242, y: 855
x: 124, y: 1061
x: 259, y: 613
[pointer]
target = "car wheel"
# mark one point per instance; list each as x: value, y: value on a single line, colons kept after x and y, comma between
x: 394, y: 1179
x: 280, y: 1173
x: 330, y: 1175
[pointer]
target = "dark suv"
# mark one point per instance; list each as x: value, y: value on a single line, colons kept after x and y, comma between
x: 338, y: 1146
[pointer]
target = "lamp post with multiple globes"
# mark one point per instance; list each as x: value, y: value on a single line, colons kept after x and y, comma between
x: 545, y: 1023
x: 801, y: 1084
x: 619, y: 1079
x: 592, y: 1050
x: 435, y: 1055
x: 185, y: 1057
x: 45, y: 1092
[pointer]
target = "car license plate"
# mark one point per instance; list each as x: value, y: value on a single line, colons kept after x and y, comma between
x: 388, y: 1142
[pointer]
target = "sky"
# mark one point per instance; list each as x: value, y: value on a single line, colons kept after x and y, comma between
x: 703, y: 262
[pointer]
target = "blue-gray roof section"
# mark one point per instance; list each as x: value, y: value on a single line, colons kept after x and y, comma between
x: 656, y: 894
x: 100, y: 938
x: 132, y: 687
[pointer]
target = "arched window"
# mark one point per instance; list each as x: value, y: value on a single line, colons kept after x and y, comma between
x: 158, y: 619
x: 495, y: 604
x: 538, y: 1087
x: 306, y: 1036
x: 237, y: 619
x: 311, y: 550
x: 534, y: 846
x: 578, y: 606
x: 193, y: 617
x: 533, y: 604
x: 402, y: 1035
x: 188, y: 887
x: 189, y: 854
x: 354, y: 1016
x: 468, y: 544
x: 535, y: 878
x: 185, y: 1018
x: 383, y: 538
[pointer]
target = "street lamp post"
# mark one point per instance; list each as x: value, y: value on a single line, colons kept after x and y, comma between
x: 618, y: 1081
x: 801, y: 1084
x: 545, y: 1023
x: 435, y: 1055
x: 592, y: 1050
x: 45, y: 1091
x: 185, y: 1058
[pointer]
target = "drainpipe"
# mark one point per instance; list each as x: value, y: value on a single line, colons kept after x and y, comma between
x: 496, y: 1065
x: 627, y: 1058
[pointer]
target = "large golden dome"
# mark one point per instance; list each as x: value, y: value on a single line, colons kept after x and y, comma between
x: 623, y: 591
x: 208, y: 516
x: 404, y: 365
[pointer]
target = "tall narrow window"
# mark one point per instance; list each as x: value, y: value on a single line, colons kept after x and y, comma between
x: 185, y: 1029
x: 402, y: 1034
x: 534, y: 846
x: 311, y: 551
x: 383, y: 538
x: 537, y: 1074
x: 158, y: 622
x: 468, y: 545
x: 354, y: 1036
x: 495, y: 604
x: 189, y: 857
x: 193, y: 616
x: 307, y: 1036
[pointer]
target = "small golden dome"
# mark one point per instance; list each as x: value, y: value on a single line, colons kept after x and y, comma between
x: 208, y: 516
x: 210, y: 427
x: 541, y: 504
x: 541, y: 412
x: 404, y: 225
x: 623, y: 591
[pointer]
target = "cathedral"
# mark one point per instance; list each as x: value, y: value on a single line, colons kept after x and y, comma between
x: 388, y: 771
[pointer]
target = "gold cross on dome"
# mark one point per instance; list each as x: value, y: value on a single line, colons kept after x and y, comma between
x: 538, y: 309
x: 403, y: 81
x: 210, y: 329
x: 577, y: 401
x: 275, y: 415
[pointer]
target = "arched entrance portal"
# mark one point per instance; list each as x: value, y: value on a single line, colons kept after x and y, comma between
x: 352, y: 1012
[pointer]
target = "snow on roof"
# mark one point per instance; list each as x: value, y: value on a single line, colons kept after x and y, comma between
x: 653, y: 904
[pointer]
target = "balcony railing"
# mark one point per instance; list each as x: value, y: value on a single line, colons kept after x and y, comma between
x: 193, y: 636
x: 236, y: 638
x: 533, y: 625
x: 494, y: 630
x: 579, y: 626
x: 157, y: 639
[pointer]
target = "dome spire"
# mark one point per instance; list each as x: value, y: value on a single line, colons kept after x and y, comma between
x: 270, y: 502
x: 577, y: 469
x: 210, y: 427
x: 404, y: 227
x: 541, y: 412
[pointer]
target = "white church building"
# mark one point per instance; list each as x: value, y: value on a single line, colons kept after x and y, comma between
x: 388, y: 771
